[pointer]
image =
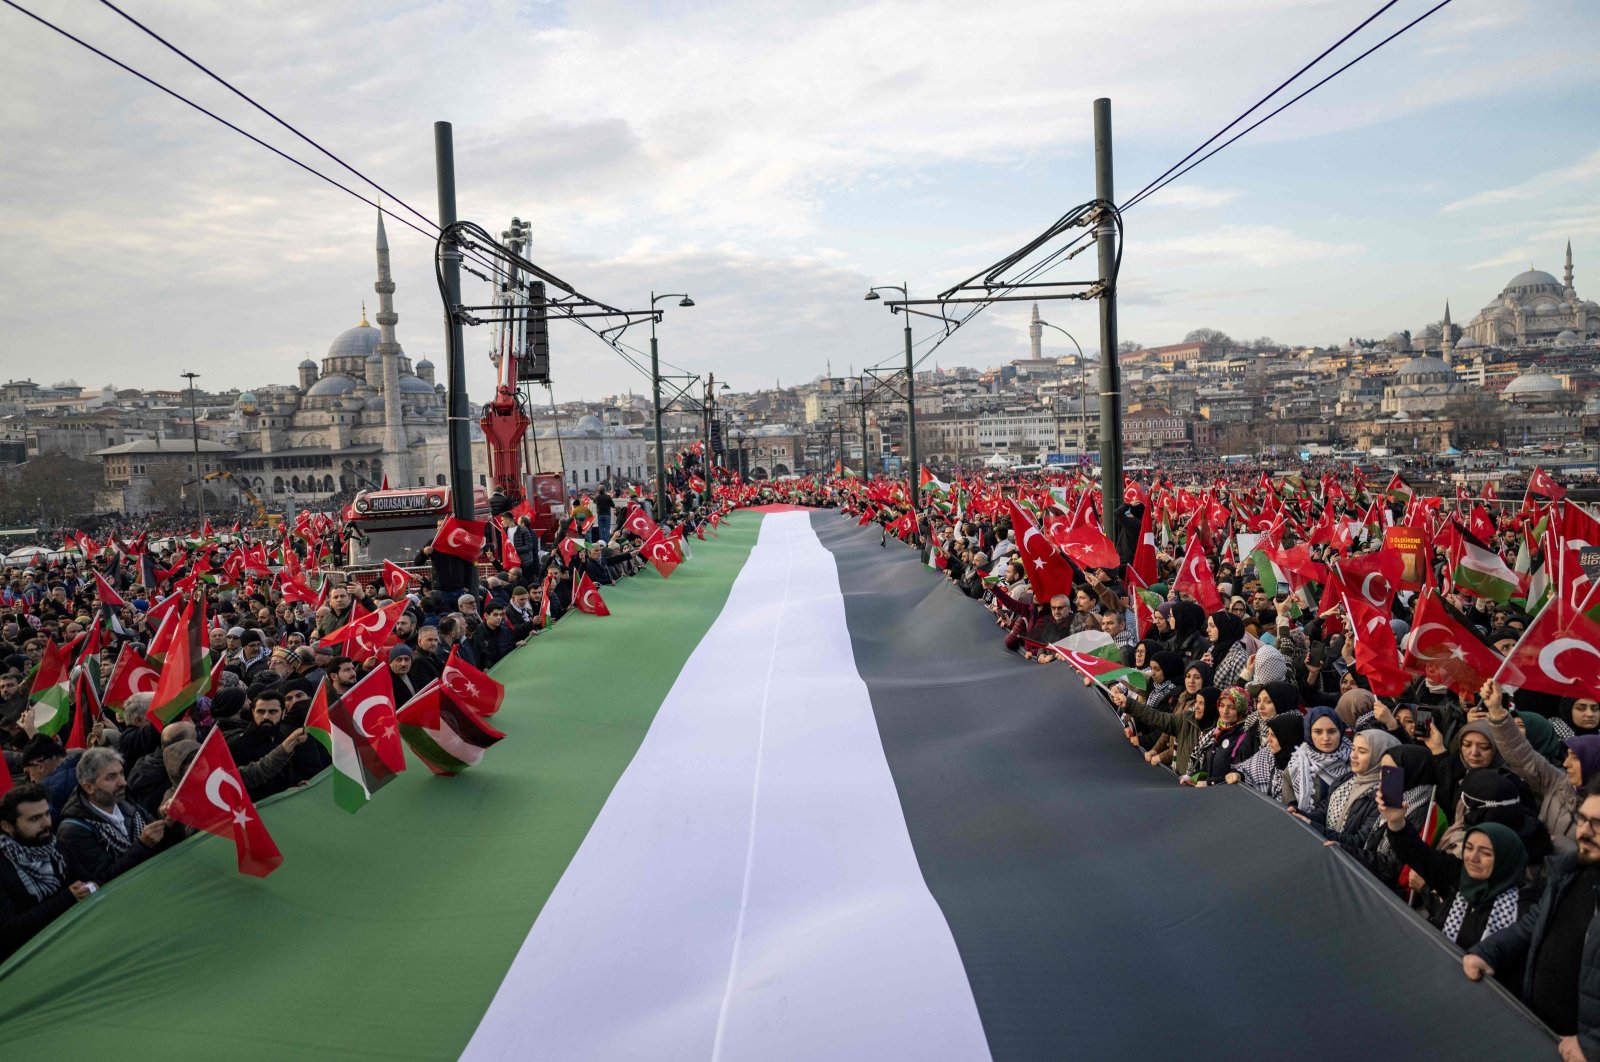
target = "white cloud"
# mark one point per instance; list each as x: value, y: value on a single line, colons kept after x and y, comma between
x: 1585, y: 172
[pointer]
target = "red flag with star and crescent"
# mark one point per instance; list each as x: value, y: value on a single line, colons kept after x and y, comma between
x: 460, y: 538
x: 587, y: 597
x: 471, y: 687
x: 1195, y: 579
x: 1559, y: 653
x: 211, y: 797
x: 1048, y: 571
x: 1444, y: 648
x: 396, y: 579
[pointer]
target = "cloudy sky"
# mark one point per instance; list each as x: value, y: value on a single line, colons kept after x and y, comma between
x: 773, y: 159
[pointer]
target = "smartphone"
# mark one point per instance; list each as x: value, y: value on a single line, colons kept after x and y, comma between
x: 1424, y: 722
x: 1392, y: 785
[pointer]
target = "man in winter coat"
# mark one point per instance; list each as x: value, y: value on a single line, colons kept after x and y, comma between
x: 35, y: 886
x: 1557, y: 942
x: 102, y: 833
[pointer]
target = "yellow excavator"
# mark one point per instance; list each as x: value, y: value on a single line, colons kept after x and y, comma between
x: 262, y: 517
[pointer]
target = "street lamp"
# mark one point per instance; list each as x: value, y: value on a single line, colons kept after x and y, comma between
x: 655, y: 390
x: 1083, y: 390
x: 911, y: 401
x: 194, y: 421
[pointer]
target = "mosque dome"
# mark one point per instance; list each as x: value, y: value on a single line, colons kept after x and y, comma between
x: 357, y: 342
x: 374, y: 403
x: 1423, y: 369
x: 424, y: 364
x: 1467, y: 342
x: 1566, y: 337
x: 246, y: 398
x: 591, y: 423
x: 1534, y: 383
x: 331, y: 385
x: 308, y: 364
x: 1533, y: 279
x: 412, y: 386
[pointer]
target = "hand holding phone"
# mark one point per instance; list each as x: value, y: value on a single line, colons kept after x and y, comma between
x: 1392, y: 786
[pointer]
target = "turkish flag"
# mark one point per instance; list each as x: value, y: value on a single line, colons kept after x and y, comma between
x: 1445, y: 649
x: 638, y: 522
x: 1541, y: 484
x: 471, y: 687
x: 460, y: 538
x: 1195, y: 579
x: 1373, y: 577
x: 1559, y: 653
x: 1048, y: 571
x: 396, y: 579
x: 1144, y: 556
x: 587, y: 597
x: 660, y: 551
x: 211, y: 797
x: 367, y: 635
x: 129, y: 675
x: 567, y: 550
x: 1377, y: 654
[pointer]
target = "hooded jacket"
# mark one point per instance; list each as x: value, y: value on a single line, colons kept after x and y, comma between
x: 1521, y: 943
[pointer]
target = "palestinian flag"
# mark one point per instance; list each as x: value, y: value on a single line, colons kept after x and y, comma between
x: 798, y: 802
x: 446, y: 736
x: 361, y: 733
x: 51, y: 694
x: 1105, y: 672
x: 1483, y: 573
x: 186, y: 671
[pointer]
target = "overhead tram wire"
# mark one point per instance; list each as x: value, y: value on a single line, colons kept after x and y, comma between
x: 147, y: 79
x: 486, y: 262
x: 225, y: 83
x: 1178, y: 169
x: 1259, y: 103
x: 1155, y: 187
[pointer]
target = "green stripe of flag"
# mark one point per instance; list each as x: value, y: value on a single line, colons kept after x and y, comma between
x: 333, y: 963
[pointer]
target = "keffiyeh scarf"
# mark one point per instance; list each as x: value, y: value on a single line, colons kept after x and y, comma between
x: 41, y: 867
x: 1501, y: 915
x: 1308, y: 766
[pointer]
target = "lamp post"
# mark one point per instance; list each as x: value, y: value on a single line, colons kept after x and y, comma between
x: 655, y: 390
x: 911, y: 400
x: 194, y: 422
x: 1083, y: 390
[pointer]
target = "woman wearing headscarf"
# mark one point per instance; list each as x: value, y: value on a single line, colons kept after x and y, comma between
x: 1579, y: 716
x: 1229, y: 654
x: 1557, y: 788
x: 1352, y: 810
x: 1231, y: 740
x: 1188, y: 629
x: 1263, y: 772
x: 1166, y: 671
x: 1267, y: 665
x: 1193, y: 715
x: 1493, y: 794
x: 1478, y: 892
x: 1419, y: 808
x: 1541, y: 734
x: 1475, y: 745
x: 1319, y: 766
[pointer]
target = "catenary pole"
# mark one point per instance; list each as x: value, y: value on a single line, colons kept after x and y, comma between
x: 1110, y: 374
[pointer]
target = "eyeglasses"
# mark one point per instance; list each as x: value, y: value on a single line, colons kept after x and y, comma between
x: 1582, y: 822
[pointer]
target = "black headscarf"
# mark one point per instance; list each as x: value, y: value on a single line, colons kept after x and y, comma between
x: 1209, y: 697
x: 1290, y: 730
x: 1188, y: 620
x: 1284, y: 696
x: 1230, y: 629
x: 1171, y: 665
x: 1203, y: 668
x: 1417, y: 762
x: 1566, y: 713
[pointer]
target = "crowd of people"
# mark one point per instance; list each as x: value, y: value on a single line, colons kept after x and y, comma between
x: 1478, y: 807
x: 76, y: 818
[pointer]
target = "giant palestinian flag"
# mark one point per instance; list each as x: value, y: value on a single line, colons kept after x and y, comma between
x: 796, y: 803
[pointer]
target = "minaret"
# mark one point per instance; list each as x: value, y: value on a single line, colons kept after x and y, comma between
x: 1447, y: 338
x: 395, y: 465
x: 1035, y: 334
x: 1568, y: 277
